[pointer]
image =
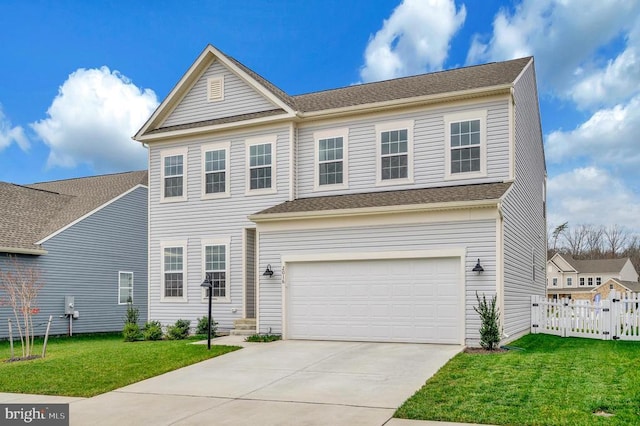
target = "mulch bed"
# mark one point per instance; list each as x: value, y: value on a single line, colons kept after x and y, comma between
x: 482, y: 351
x: 23, y: 358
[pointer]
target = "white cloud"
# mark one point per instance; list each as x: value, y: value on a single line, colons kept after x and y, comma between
x: 564, y: 36
x: 415, y: 39
x: 592, y: 195
x: 608, y: 137
x: 92, y: 119
x: 10, y: 134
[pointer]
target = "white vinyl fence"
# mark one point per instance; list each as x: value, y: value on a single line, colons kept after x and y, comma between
x: 615, y: 318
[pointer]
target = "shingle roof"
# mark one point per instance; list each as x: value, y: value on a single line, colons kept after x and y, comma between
x: 634, y: 286
x: 479, y: 192
x: 595, y: 266
x: 29, y: 213
x: 437, y: 83
x: 569, y: 290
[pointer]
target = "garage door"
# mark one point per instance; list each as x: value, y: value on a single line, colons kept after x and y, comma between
x: 398, y: 300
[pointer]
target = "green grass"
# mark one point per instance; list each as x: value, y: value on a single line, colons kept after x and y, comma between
x: 553, y: 381
x: 91, y: 365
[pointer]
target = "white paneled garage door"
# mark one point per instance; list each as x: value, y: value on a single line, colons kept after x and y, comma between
x: 396, y: 300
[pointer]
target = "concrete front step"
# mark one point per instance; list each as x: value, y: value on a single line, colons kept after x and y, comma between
x: 244, y: 327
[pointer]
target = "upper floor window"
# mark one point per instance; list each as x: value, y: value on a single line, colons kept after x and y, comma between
x: 598, y: 280
x: 581, y: 280
x: 395, y: 153
x: 125, y: 287
x: 215, y: 177
x: 331, y: 159
x: 261, y: 158
x: 589, y: 281
x: 465, y: 152
x: 216, y: 269
x: 569, y: 281
x: 173, y: 175
x: 554, y: 281
x: 173, y: 271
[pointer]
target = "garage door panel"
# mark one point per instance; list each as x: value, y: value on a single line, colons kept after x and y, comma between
x: 403, y: 300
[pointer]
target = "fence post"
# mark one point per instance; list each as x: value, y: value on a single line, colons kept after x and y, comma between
x: 534, y: 314
x: 606, y: 311
x: 46, y: 337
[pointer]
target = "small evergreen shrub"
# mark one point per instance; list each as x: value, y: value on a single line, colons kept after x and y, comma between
x: 203, y: 324
x: 152, y: 330
x: 490, y: 326
x: 178, y: 331
x: 133, y: 314
x: 131, y: 332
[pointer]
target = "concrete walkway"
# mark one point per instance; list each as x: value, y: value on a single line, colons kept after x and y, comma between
x: 279, y: 383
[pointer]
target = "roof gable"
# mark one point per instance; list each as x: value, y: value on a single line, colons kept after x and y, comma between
x: 31, y: 213
x: 589, y: 266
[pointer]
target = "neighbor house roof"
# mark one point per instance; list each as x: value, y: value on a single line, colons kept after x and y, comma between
x: 570, y: 290
x: 424, y: 196
x: 437, y: 84
x: 595, y: 266
x: 30, y: 213
x: 633, y: 286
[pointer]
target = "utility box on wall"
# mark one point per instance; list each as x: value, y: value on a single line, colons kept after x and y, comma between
x: 69, y: 304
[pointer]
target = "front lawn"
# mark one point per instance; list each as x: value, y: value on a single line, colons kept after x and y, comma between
x: 91, y: 365
x: 552, y: 381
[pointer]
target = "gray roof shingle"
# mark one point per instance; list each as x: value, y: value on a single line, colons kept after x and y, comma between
x: 596, y: 266
x: 478, y: 192
x: 29, y: 213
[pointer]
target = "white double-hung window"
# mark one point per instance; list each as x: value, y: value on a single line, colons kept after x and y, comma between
x: 394, y: 153
x: 125, y: 287
x: 465, y: 145
x: 174, y: 271
x: 261, y: 165
x: 331, y: 159
x: 216, y: 268
x: 174, y: 166
x: 215, y: 176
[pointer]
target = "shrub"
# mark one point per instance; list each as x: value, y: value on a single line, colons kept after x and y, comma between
x: 262, y: 338
x: 131, y: 332
x: 152, y: 330
x: 203, y: 323
x: 133, y: 314
x: 490, y: 326
x: 179, y: 331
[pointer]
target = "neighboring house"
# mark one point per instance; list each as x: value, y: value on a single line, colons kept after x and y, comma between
x: 619, y: 285
x: 356, y: 213
x: 88, y: 239
x: 582, y: 279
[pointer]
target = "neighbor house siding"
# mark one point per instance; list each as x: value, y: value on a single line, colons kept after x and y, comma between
x: 84, y: 261
x: 524, y: 222
x: 239, y: 98
x: 476, y: 237
x: 428, y: 148
x: 197, y: 219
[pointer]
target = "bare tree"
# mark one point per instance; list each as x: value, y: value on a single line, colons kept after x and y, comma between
x: 593, y: 241
x: 576, y: 239
x: 21, y: 285
x: 616, y: 238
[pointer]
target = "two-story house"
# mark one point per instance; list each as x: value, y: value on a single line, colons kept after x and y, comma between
x: 372, y: 212
x: 583, y: 279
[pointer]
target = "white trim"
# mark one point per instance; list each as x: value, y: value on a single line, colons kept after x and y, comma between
x: 292, y: 160
x: 480, y: 115
x: 512, y: 142
x: 120, y: 287
x: 185, y: 287
x: 458, y: 253
x: 326, y: 134
x: 15, y: 250
x: 219, y: 79
x: 218, y: 146
x: 222, y: 241
x: 500, y: 267
x: 81, y: 218
x: 257, y: 278
x: 174, y: 152
x: 389, y: 126
x: 148, y: 238
x: 261, y: 140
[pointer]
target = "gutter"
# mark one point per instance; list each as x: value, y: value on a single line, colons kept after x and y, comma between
x: 16, y: 250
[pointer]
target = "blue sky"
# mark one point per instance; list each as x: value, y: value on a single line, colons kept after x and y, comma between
x: 78, y: 78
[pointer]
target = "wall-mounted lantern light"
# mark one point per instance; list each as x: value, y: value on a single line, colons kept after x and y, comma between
x: 268, y: 272
x: 478, y: 268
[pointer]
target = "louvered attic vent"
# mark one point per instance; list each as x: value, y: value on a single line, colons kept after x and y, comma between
x: 215, y: 88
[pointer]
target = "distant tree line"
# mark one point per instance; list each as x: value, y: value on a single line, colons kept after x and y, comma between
x: 594, y: 242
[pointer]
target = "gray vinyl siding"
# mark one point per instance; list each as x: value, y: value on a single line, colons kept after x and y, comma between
x: 239, y: 98
x: 477, y: 237
x: 524, y: 222
x: 196, y: 219
x: 428, y: 147
x: 250, y: 273
x: 84, y: 261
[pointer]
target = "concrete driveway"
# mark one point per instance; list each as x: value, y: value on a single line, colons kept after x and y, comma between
x: 279, y: 383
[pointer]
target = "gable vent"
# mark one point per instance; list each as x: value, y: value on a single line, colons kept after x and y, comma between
x: 215, y: 88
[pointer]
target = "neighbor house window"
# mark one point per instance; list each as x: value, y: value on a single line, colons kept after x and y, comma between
x: 598, y: 280
x: 465, y: 152
x: 125, y: 287
x: 331, y: 164
x: 581, y: 280
x: 554, y: 282
x: 569, y: 281
x: 173, y: 271
x: 215, y: 176
x: 261, y: 165
x: 173, y: 175
x: 395, y: 152
x: 590, y: 281
x: 216, y: 268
